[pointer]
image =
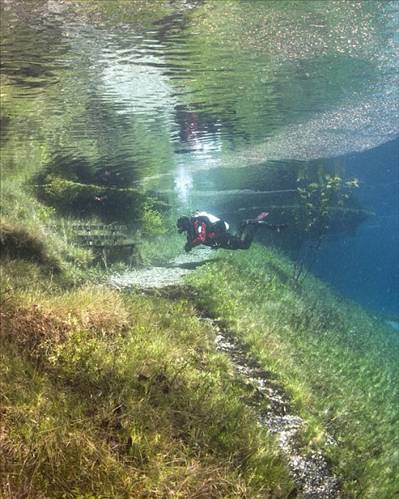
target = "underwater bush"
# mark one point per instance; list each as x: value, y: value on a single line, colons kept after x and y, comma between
x: 327, y: 202
x: 109, y: 203
x: 152, y: 222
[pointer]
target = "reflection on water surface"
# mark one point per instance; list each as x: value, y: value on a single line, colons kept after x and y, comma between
x: 200, y: 80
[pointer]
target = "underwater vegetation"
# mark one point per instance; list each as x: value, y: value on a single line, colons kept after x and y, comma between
x: 321, y: 193
x: 123, y: 395
x: 79, y: 187
x: 339, y: 364
x: 106, y: 392
x: 131, y: 113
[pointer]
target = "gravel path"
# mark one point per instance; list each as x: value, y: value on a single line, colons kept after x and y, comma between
x: 171, y: 274
x: 309, y: 470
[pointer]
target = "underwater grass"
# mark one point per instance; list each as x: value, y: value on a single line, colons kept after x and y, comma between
x: 338, y: 363
x: 159, y: 250
x: 132, y: 385
x: 123, y: 396
x: 30, y: 232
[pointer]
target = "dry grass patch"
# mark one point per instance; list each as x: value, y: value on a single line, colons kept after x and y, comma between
x: 96, y: 309
x: 33, y: 329
x: 37, y: 322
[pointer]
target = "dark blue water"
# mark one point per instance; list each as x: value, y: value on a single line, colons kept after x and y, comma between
x: 365, y: 266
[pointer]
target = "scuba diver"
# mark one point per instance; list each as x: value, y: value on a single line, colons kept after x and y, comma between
x: 204, y: 228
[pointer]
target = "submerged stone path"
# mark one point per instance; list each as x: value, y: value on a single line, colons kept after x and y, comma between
x: 171, y: 274
x: 309, y: 470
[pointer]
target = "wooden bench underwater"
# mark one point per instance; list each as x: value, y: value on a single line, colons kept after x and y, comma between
x: 112, y: 241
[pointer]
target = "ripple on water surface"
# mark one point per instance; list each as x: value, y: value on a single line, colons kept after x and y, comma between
x: 206, y: 83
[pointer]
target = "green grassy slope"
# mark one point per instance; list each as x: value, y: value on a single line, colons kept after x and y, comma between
x: 340, y: 366
x: 108, y: 395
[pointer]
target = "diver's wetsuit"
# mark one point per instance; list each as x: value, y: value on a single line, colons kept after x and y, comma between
x: 209, y: 230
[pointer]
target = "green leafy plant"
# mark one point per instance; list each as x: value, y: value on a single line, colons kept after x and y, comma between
x: 152, y: 222
x: 323, y: 196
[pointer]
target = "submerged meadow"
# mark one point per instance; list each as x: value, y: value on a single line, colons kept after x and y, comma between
x: 118, y: 117
x: 110, y: 393
x: 339, y: 365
